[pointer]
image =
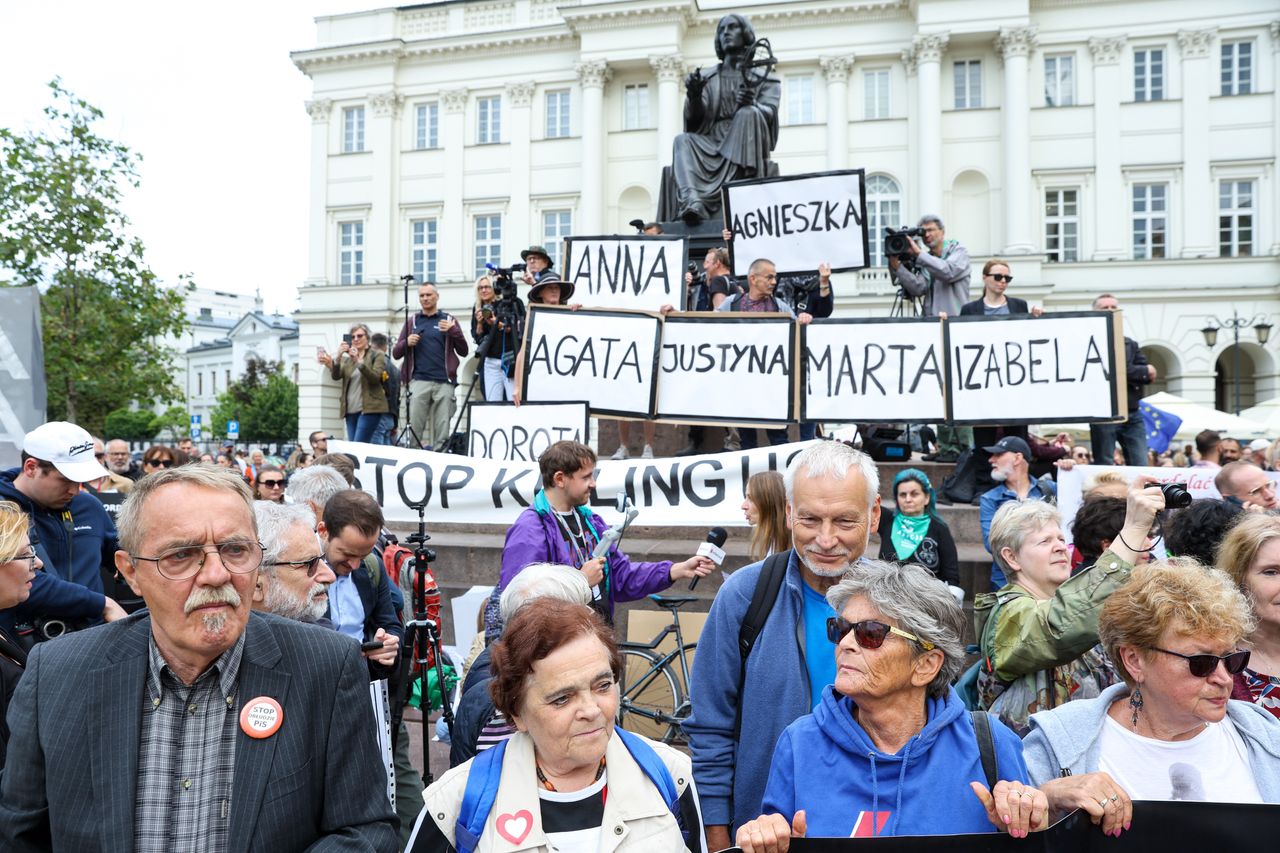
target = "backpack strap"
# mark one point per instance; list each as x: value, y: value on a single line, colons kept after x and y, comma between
x: 653, y: 767
x: 986, y: 747
x: 766, y: 593
x: 478, y: 798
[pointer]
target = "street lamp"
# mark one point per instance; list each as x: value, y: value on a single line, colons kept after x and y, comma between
x: 1260, y: 327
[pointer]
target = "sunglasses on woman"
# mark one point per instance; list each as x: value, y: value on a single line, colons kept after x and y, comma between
x: 869, y: 633
x: 1203, y: 666
x: 159, y: 463
x: 998, y: 277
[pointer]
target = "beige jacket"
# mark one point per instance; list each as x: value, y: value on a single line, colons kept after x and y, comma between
x: 635, y: 821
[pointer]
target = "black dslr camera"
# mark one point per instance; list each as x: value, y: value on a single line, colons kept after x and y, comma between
x: 897, y: 244
x: 798, y: 290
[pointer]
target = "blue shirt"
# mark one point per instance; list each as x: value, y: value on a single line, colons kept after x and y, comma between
x: 819, y: 652
x: 345, y: 608
x: 428, y: 355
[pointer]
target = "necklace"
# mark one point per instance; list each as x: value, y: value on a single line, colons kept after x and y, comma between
x: 542, y: 778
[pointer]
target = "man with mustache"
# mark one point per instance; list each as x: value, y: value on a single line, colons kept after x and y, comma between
x: 294, y: 579
x: 833, y: 504
x: 225, y: 730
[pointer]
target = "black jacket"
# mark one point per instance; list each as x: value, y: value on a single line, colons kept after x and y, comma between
x: 936, y: 552
x: 974, y: 308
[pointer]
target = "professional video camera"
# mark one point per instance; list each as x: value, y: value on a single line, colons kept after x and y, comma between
x: 508, y: 309
x: 897, y: 244
x: 797, y: 290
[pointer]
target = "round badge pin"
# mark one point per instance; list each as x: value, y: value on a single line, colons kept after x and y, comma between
x: 261, y: 717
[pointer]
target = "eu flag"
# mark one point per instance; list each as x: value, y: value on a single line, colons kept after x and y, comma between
x: 1161, y: 426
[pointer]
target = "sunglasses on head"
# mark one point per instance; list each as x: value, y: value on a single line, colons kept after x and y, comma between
x: 868, y: 633
x: 1203, y: 666
x: 998, y: 277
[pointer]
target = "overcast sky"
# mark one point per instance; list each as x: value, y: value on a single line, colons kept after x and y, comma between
x: 207, y: 95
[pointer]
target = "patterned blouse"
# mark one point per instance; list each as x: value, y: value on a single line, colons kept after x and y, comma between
x: 1260, y: 689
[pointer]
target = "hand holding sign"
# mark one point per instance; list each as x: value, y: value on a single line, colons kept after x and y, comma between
x: 1108, y: 805
x: 1013, y: 807
x: 771, y: 832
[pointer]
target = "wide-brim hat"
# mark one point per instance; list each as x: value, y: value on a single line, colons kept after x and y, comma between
x: 540, y: 252
x: 566, y: 288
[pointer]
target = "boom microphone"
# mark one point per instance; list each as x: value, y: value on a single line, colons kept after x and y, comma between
x: 712, y: 549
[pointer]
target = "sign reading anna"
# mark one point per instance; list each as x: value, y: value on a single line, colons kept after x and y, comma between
x: 640, y: 272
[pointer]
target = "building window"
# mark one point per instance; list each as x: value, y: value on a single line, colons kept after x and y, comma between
x: 489, y: 120
x: 635, y: 106
x: 1062, y: 225
x: 1150, y: 220
x: 1237, y: 67
x: 884, y: 210
x: 427, y: 126
x: 1059, y: 80
x: 351, y: 253
x: 228, y: 385
x: 488, y: 242
x: 557, y: 113
x: 1235, y: 219
x: 875, y: 86
x: 199, y: 383
x: 424, y: 249
x: 213, y: 382
x: 1148, y: 74
x: 800, y: 99
x: 556, y: 225
x: 968, y: 74
x: 352, y: 129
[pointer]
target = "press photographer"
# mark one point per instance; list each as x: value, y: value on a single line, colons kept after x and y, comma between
x: 940, y: 275
x: 497, y: 322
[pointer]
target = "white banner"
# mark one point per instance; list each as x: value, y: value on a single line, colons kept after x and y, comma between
x: 607, y: 358
x: 689, y: 491
x: 727, y: 368
x: 520, y: 434
x: 641, y: 272
x: 798, y: 221
x: 1017, y: 370
x: 873, y: 370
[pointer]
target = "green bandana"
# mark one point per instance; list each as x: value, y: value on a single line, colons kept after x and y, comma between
x: 908, y: 531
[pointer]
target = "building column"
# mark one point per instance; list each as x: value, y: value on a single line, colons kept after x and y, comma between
x: 453, y: 233
x: 381, y: 236
x: 1199, y: 198
x: 927, y: 52
x: 1274, y: 224
x: 520, y: 97
x: 1014, y: 45
x: 318, y: 222
x: 669, y: 69
x: 592, y: 76
x: 836, y: 70
x: 1110, y: 233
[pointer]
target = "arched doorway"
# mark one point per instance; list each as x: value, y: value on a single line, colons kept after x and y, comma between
x: 1227, y: 382
x: 1168, y: 369
x: 634, y: 203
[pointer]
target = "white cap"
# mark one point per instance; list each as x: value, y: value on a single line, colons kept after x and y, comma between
x: 1259, y: 444
x: 68, y: 447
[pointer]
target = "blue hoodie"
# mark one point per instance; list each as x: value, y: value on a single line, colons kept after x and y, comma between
x: 826, y: 764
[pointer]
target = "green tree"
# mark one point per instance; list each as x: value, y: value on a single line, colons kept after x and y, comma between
x: 61, y: 228
x: 175, y: 422
x: 264, y: 400
x: 131, y: 425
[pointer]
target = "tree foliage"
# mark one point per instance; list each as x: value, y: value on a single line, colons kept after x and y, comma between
x: 131, y: 425
x: 264, y: 400
x: 61, y: 228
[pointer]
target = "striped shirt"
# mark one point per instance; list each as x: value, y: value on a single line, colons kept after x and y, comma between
x: 186, y: 757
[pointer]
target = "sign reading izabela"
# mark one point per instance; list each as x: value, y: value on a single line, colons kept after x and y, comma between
x: 641, y: 272
x: 798, y: 221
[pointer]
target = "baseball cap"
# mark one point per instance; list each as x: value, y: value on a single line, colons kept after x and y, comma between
x: 1010, y: 443
x: 68, y: 447
x: 1259, y: 444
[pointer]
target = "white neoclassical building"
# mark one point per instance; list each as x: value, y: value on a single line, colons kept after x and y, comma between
x: 1099, y: 145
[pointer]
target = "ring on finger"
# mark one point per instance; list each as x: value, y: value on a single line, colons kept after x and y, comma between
x: 1114, y: 798
x: 1103, y: 802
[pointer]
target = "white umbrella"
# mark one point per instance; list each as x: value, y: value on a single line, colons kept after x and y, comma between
x: 1267, y: 414
x: 1196, y: 417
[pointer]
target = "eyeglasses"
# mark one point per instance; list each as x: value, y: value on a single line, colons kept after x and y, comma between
x: 311, y: 565
x: 869, y: 633
x: 30, y: 559
x: 99, y: 456
x: 1268, y: 486
x: 159, y: 463
x: 998, y: 277
x: 1203, y: 666
x: 186, y: 561
x: 355, y: 335
x: 272, y: 484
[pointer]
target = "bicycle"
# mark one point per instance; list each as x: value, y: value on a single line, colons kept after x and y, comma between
x: 653, y: 701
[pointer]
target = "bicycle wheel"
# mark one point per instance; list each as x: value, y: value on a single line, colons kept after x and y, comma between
x: 649, y: 697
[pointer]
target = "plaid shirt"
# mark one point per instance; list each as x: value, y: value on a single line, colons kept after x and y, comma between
x: 187, y: 756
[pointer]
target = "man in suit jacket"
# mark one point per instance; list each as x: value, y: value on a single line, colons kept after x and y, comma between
x: 264, y: 724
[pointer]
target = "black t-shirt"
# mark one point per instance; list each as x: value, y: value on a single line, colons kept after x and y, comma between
x: 721, y: 284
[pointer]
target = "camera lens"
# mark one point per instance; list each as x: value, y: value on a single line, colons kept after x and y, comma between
x: 1175, y: 496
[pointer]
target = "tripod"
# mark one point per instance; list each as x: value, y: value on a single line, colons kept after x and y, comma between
x: 422, y: 642
x: 408, y: 437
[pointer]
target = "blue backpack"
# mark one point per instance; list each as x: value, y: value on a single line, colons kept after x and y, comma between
x: 486, y: 772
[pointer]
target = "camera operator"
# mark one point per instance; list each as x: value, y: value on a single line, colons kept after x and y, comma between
x: 940, y: 275
x: 431, y: 344
x: 496, y: 332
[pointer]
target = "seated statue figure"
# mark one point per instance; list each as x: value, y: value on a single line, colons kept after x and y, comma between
x: 730, y: 120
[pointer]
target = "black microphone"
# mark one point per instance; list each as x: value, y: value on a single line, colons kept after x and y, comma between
x: 712, y: 549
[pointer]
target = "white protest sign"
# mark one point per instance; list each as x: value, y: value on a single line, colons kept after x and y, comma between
x: 727, y: 368
x: 521, y: 433
x: 1017, y: 370
x: 641, y: 272
x: 689, y: 491
x: 607, y: 358
x: 873, y: 370
x: 798, y: 222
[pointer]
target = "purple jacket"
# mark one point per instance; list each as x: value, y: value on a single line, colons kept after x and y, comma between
x: 535, y: 538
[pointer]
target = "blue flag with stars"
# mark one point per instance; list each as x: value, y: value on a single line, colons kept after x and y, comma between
x: 1161, y: 426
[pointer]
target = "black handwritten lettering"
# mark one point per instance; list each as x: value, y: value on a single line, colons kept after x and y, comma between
x: 783, y: 220
x: 869, y: 369
x: 503, y: 483
x: 455, y: 478
x: 1032, y: 361
x: 716, y: 484
x: 402, y: 476
x: 1092, y: 355
x: 634, y: 268
x: 378, y: 463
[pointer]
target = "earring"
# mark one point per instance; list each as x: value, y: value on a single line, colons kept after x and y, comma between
x: 1135, y: 702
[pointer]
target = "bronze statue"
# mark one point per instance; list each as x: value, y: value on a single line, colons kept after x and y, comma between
x: 730, y: 121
